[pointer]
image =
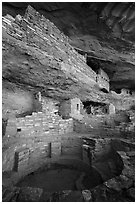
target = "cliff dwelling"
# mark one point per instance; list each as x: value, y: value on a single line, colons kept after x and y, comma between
x: 68, y: 102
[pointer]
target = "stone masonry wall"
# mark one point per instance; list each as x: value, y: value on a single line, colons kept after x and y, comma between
x: 76, y: 107
x: 103, y: 83
x: 71, y: 108
x: 65, y: 109
x: 38, y: 32
x: 103, y: 74
x: 125, y: 91
x: 103, y: 79
x: 37, y: 135
x: 41, y: 123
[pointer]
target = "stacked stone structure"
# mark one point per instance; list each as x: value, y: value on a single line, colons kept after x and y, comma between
x: 125, y: 91
x: 35, y: 136
x: 71, y: 108
x: 103, y: 80
x: 52, y: 46
x: 38, y: 135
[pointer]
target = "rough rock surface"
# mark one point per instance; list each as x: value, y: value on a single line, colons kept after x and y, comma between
x: 27, y: 71
x: 105, y: 32
x: 109, y: 42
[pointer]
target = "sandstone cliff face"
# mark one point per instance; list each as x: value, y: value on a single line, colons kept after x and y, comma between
x: 35, y: 59
x: 41, y: 69
x: 38, y: 57
x: 103, y: 30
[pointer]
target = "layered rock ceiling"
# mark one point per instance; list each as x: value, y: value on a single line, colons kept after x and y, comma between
x: 102, y: 31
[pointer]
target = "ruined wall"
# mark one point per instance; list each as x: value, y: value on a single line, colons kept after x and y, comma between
x: 34, y: 134
x: 76, y: 108
x: 46, y: 122
x: 39, y: 124
x: 71, y: 108
x: 103, y: 74
x: 125, y: 103
x: 103, y: 83
x: 125, y: 92
x: 65, y: 109
x: 103, y: 79
x: 111, y: 109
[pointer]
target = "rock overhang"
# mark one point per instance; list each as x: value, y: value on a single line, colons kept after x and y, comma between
x: 110, y: 39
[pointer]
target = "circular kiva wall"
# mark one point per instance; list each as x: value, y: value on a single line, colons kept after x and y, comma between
x: 83, y: 163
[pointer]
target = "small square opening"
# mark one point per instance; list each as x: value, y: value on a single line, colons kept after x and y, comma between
x: 18, y: 129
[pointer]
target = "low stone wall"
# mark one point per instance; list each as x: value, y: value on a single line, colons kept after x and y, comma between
x: 102, y: 155
x: 93, y: 149
x: 26, y: 155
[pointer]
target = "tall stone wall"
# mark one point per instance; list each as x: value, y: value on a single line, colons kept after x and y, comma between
x: 111, y: 109
x: 103, y: 83
x: 76, y: 107
x: 37, y: 31
x: 103, y: 80
x: 103, y: 74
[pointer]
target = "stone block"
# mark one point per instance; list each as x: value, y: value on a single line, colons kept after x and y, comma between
x: 28, y: 117
x: 28, y: 125
x: 45, y: 128
x: 46, y: 132
x: 37, y: 119
x: 37, y: 124
x: 34, y: 114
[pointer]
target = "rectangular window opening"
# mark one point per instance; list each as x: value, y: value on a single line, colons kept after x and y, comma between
x: 18, y: 129
x: 77, y: 106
